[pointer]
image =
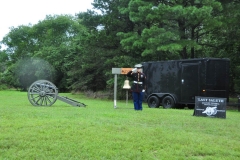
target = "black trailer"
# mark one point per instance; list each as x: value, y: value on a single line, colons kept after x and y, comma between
x: 175, y: 83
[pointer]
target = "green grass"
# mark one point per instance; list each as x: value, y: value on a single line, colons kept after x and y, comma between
x: 101, y: 132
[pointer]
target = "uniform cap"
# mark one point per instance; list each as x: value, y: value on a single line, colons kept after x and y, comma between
x: 138, y: 66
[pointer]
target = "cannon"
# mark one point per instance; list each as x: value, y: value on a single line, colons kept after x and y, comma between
x: 45, y: 93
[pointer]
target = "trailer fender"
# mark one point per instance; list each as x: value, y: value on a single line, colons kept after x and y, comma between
x: 174, y: 97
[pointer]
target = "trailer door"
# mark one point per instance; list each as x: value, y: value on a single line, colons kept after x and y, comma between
x: 189, y: 82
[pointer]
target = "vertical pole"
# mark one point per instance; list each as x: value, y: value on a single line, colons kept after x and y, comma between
x: 115, y: 91
x: 126, y: 96
x: 238, y: 104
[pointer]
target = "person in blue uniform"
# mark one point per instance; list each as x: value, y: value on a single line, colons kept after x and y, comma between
x: 138, y: 86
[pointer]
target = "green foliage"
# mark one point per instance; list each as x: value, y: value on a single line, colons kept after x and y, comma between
x: 3, y: 87
x: 19, y: 43
x: 226, y: 40
x: 50, y: 40
x: 100, y: 50
x: 173, y: 27
x: 3, y: 57
x: 101, y: 132
x: 3, y: 68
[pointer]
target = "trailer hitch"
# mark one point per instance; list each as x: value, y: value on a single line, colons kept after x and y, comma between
x: 45, y: 93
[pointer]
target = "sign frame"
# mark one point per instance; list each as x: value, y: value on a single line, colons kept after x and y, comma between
x: 117, y: 71
x: 210, y: 107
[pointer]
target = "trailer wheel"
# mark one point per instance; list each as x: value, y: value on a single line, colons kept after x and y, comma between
x: 168, y: 102
x: 153, y: 102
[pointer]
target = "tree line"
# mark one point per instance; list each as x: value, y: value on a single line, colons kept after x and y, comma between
x: 77, y: 53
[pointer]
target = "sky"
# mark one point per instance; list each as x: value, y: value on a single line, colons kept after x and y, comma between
x: 14, y: 13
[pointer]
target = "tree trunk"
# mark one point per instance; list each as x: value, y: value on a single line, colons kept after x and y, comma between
x: 184, y: 53
x: 193, y: 39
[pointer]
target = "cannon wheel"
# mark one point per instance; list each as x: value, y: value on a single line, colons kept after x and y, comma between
x: 42, y: 93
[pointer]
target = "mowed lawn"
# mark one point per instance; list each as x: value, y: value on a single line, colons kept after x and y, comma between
x: 99, y: 131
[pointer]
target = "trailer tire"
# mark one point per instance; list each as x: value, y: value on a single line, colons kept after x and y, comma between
x: 153, y: 102
x: 168, y: 102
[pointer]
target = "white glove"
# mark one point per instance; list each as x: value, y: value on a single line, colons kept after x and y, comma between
x: 134, y: 70
x: 143, y: 90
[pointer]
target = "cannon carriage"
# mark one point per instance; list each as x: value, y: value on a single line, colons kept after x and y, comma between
x: 45, y: 93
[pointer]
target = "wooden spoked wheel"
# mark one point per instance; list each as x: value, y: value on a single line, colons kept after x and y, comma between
x: 42, y: 93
